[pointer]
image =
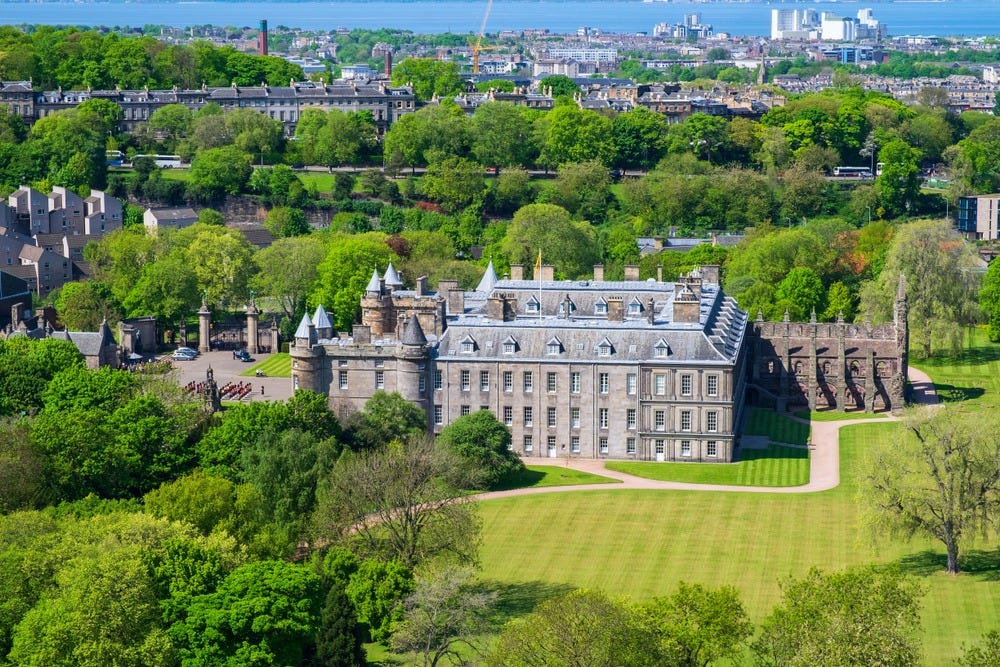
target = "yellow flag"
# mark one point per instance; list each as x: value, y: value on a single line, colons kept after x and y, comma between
x: 538, y: 264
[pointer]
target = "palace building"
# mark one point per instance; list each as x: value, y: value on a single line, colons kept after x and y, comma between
x: 644, y: 370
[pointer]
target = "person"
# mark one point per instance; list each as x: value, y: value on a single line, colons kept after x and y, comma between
x: 262, y: 390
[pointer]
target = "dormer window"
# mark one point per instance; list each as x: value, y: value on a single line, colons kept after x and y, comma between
x: 605, y: 348
x: 661, y: 349
x: 468, y: 345
x: 635, y: 306
x: 532, y: 305
x: 601, y: 307
x: 554, y: 346
x: 509, y: 345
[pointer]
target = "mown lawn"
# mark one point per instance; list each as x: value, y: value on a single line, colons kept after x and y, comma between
x: 779, y: 428
x: 834, y: 416
x: 972, y: 376
x: 537, y: 476
x: 641, y: 543
x: 278, y: 365
x: 774, y: 466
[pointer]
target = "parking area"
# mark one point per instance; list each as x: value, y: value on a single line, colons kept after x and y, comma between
x: 228, y: 370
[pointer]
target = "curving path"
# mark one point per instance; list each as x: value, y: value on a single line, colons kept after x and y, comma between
x: 824, y: 464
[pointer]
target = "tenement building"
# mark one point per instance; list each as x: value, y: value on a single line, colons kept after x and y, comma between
x: 644, y: 370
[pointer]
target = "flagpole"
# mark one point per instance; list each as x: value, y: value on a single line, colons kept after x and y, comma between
x: 538, y: 264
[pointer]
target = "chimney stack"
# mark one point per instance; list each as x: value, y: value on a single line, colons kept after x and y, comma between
x: 262, y: 38
x: 517, y: 271
x: 631, y: 272
x: 388, y: 64
x: 598, y: 272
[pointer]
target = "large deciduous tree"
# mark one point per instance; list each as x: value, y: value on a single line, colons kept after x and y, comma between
x: 483, y: 443
x: 899, y: 183
x: 502, y: 135
x: 941, y: 282
x: 455, y: 183
x: 287, y: 269
x: 989, y: 300
x: 855, y: 618
x: 563, y: 242
x: 345, y: 272
x: 393, y: 503
x: 699, y: 626
x: 447, y: 610
x: 942, y: 479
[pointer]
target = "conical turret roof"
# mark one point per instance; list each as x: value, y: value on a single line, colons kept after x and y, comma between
x: 303, y: 330
x: 320, y: 318
x: 391, y: 277
x: 414, y: 333
x: 489, y: 280
x: 374, y: 285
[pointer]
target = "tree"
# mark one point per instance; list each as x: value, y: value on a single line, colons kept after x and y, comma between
x: 583, y: 189
x: 483, y: 444
x: 166, y: 288
x: 511, y: 191
x: 287, y: 270
x: 560, y: 84
x: 393, y: 503
x: 21, y: 469
x: 284, y: 221
x: 82, y: 306
x: 699, y: 626
x: 345, y: 272
x: 639, y: 137
x: 377, y: 590
x: 571, y: 134
x: 386, y: 417
x: 262, y: 613
x: 339, y: 640
x: 429, y: 77
x: 579, y: 629
x: 220, y: 171
x: 222, y: 261
x: 941, y: 278
x: 899, y: 184
x: 989, y: 300
x: 859, y: 617
x: 502, y: 135
x: 209, y: 216
x: 567, y: 244
x: 984, y: 654
x: 839, y: 303
x: 941, y: 480
x: 447, y: 609
x: 455, y: 182
x: 801, y: 293
x: 173, y: 120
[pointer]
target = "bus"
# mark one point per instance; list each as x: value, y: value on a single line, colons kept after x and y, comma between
x: 164, y: 161
x: 114, y: 158
x: 853, y: 172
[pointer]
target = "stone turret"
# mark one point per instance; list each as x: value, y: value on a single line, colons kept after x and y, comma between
x: 324, y: 329
x: 412, y: 363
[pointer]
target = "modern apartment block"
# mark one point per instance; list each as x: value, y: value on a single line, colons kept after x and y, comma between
x: 979, y: 217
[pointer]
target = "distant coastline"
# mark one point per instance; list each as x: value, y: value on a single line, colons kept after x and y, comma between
x: 751, y: 18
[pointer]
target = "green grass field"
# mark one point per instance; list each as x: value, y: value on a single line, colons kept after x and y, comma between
x: 777, y: 427
x: 278, y: 365
x: 538, y: 476
x: 774, y: 466
x: 972, y: 376
x: 834, y: 416
x: 641, y: 543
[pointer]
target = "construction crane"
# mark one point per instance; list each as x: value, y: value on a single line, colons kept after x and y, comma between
x: 478, y: 45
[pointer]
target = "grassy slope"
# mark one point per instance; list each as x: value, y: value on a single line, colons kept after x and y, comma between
x: 972, y: 376
x: 641, y: 543
x: 539, y: 476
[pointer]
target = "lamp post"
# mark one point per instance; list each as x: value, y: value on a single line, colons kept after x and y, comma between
x: 869, y: 208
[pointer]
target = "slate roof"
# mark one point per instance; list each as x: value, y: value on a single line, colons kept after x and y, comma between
x: 489, y: 280
x: 90, y: 343
x: 303, y: 330
x: 414, y: 333
x: 320, y: 318
x: 716, y: 338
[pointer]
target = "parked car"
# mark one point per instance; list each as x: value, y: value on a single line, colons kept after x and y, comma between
x: 244, y: 356
x: 182, y: 356
x: 187, y: 350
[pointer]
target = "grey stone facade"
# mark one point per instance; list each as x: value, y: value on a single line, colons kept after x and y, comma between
x: 642, y: 370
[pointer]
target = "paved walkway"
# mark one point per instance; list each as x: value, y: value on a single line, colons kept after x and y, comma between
x: 227, y: 369
x: 824, y: 464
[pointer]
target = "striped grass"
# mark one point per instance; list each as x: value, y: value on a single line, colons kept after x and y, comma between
x: 779, y: 428
x: 278, y: 365
x: 834, y: 416
x: 641, y: 543
x: 774, y: 466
